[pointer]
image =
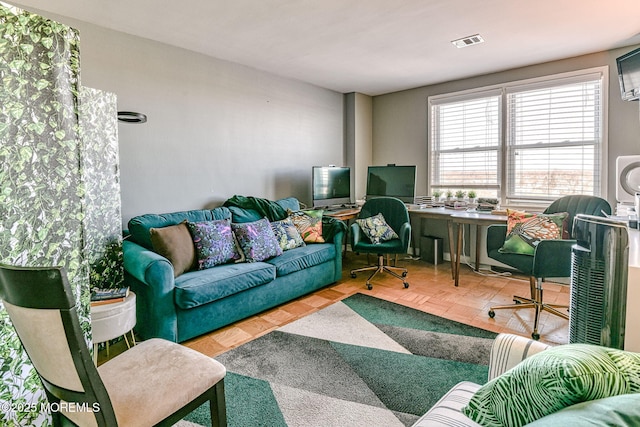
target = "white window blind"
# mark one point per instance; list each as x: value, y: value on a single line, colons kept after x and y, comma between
x: 466, y: 144
x: 554, y: 140
x: 524, y: 142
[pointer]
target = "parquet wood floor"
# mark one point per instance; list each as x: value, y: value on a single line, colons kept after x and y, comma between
x: 431, y: 290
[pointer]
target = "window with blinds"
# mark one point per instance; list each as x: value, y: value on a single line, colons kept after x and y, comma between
x: 523, y: 142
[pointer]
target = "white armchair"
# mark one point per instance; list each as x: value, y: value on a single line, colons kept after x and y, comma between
x: 507, y: 351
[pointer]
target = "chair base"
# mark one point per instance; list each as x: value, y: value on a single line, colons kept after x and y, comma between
x: 382, y: 268
x: 534, y: 302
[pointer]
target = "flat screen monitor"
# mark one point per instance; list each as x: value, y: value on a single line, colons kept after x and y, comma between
x: 392, y: 181
x: 629, y: 75
x: 331, y: 186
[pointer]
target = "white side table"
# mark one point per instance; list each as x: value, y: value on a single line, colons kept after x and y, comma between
x: 109, y: 321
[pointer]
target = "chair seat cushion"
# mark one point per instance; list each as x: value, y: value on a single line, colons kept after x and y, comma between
x: 303, y: 257
x: 156, y: 378
x: 389, y: 247
x: 623, y: 410
x: 201, y: 287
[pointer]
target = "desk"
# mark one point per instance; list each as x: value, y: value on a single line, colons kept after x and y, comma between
x: 471, y: 218
x: 436, y: 213
x: 632, y: 336
x: 344, y: 215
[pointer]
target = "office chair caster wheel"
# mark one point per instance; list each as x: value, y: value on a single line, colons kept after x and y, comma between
x: 369, y: 286
x: 406, y: 285
x: 535, y: 336
x: 492, y: 314
x: 353, y: 275
x: 404, y: 274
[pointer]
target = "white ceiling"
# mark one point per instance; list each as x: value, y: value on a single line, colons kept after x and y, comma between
x: 369, y: 46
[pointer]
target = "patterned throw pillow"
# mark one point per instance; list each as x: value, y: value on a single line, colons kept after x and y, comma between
x: 214, y: 242
x: 174, y: 243
x: 287, y: 234
x: 309, y: 225
x: 526, y: 230
x: 257, y: 241
x: 554, y: 379
x: 376, y: 229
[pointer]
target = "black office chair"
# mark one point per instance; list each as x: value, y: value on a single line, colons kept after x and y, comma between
x: 157, y: 382
x: 551, y: 258
x: 396, y: 216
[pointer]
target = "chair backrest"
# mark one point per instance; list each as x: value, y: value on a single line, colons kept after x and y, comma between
x: 394, y: 211
x: 579, y: 204
x: 42, y: 308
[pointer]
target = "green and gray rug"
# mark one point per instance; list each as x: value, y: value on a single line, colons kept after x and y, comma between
x: 360, y: 362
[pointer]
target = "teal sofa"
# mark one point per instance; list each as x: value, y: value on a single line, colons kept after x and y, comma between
x: 200, y: 301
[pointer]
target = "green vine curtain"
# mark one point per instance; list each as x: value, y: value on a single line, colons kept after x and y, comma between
x: 59, y: 194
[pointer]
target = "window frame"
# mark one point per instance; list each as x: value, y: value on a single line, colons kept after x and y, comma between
x: 596, y: 73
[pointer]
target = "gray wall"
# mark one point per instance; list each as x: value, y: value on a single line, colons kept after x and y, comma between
x: 358, y: 139
x: 215, y: 128
x: 400, y: 119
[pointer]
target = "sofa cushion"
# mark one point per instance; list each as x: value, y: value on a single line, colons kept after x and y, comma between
x: 287, y: 234
x: 174, y: 243
x: 554, y: 379
x: 139, y: 226
x: 201, y: 287
x: 303, y: 257
x: 214, y: 242
x: 257, y: 241
x: 309, y: 224
x: 623, y: 410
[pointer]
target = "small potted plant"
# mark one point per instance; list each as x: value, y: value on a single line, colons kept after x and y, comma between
x: 436, y: 195
x: 460, y: 194
x: 449, y: 194
x: 472, y: 196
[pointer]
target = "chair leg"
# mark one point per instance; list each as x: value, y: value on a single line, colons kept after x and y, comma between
x: 381, y: 267
x: 535, y: 302
x: 218, y: 407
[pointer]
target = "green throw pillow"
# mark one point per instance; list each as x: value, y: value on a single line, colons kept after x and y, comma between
x: 554, y: 379
x: 525, y: 230
x: 377, y: 229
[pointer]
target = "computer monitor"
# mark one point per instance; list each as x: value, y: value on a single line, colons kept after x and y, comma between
x: 331, y: 186
x: 392, y: 181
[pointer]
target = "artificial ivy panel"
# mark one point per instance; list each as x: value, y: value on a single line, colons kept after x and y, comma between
x: 59, y: 195
x: 103, y: 219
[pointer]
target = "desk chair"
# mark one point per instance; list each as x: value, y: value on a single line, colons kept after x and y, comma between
x: 396, y: 216
x: 552, y: 258
x: 155, y: 383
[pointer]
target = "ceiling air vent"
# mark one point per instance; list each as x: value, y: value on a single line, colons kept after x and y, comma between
x: 468, y: 41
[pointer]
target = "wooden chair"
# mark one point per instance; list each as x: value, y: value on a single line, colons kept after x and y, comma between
x: 157, y: 382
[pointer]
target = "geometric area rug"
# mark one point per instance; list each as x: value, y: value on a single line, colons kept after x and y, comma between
x: 362, y: 361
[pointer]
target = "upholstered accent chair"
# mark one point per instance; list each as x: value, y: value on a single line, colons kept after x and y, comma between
x: 551, y: 259
x: 157, y: 382
x: 396, y: 216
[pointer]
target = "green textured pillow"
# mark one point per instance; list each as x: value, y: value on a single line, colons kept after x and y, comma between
x: 376, y: 229
x: 554, y: 379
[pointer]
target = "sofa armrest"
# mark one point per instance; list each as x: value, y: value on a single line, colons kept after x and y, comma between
x: 150, y: 276
x: 508, y: 350
x: 447, y: 412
